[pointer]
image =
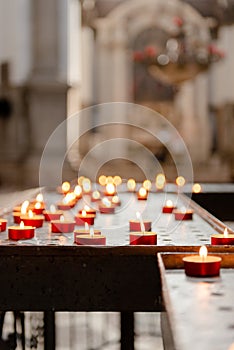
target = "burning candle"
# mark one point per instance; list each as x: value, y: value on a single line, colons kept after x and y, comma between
x: 110, y: 190
x: 139, y: 224
x: 62, y: 225
x: 20, y: 232
x: 83, y: 217
x: 223, y: 239
x: 116, y: 201
x: 38, y: 208
x: 142, y: 237
x: 169, y: 207
x: 90, y: 239
x: 202, y: 265
x: 106, y: 207
x: 32, y: 220
x: 131, y: 185
x: 86, y: 185
x: 78, y: 191
x: 147, y: 184
x: 88, y: 210
x: 183, y: 214
x: 160, y: 182
x: 23, y: 209
x: 142, y: 194
x: 3, y: 225
x: 95, y: 196
x: 52, y: 214
x: 85, y: 231
x: 68, y: 202
x: 65, y: 187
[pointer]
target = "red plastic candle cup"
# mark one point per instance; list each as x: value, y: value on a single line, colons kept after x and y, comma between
x: 62, y: 226
x: 135, y: 225
x: 81, y: 219
x: 35, y: 221
x: 95, y: 197
x: 106, y: 210
x: 20, y: 232
x: 110, y: 190
x: 84, y: 232
x: 183, y: 215
x: 222, y: 239
x: 52, y: 215
x: 88, y: 210
x: 16, y: 217
x: 168, y: 207
x: 143, y: 238
x: 90, y: 240
x: 202, y: 265
x: 142, y: 194
x: 3, y: 225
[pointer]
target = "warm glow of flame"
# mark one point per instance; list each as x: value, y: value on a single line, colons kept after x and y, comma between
x: 102, y: 180
x: 80, y: 180
x: 84, y: 213
x: 86, y: 208
x: 91, y: 232
x: 139, y: 217
x: 66, y: 187
x: 78, y: 190
x: 160, y: 181
x: 96, y: 195
x: 147, y: 185
x: 197, y: 188
x: 131, y: 184
x: 203, y: 252
x: 21, y: 224
x: 30, y: 214
x: 24, y: 207
x: 180, y: 181
x: 69, y: 198
x: 62, y: 219
x: 115, y: 200
x: 117, y: 180
x: 86, y: 185
x: 225, y: 233
x: 38, y: 205
x: 183, y: 210
x: 86, y: 226
x: 169, y: 203
x: 110, y: 188
x: 142, y: 192
x: 52, y: 208
x: 39, y: 198
x: 109, y: 180
x: 106, y: 202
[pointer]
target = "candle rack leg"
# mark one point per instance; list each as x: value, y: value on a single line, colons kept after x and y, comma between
x: 127, y: 330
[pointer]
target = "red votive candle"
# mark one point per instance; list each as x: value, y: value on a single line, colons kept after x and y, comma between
x: 62, y: 226
x: 84, y: 232
x: 3, y: 225
x: 223, y: 238
x: 52, y: 215
x: 82, y: 218
x: 35, y: 220
x: 66, y: 206
x: 143, y: 238
x: 90, y: 240
x: 16, y: 217
x: 169, y: 207
x: 88, y: 210
x: 202, y: 265
x: 183, y: 215
x: 20, y: 232
x: 142, y: 194
x: 135, y: 225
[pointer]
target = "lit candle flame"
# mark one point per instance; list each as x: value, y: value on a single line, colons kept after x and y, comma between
x: 197, y: 188
x: 180, y: 181
x: 115, y: 200
x: 102, y: 180
x: 78, y: 190
x: 66, y: 187
x: 69, y: 198
x: 106, y: 202
x: 203, y: 252
x: 96, y: 195
x: 52, y: 208
x: 160, y: 181
x: 142, y: 192
x: 183, y: 210
x: 147, y: 185
x: 86, y: 226
x: 169, y: 203
x: 91, y: 232
x: 139, y: 217
x: 38, y: 205
x: 39, y: 198
x: 62, y: 219
x: 117, y: 180
x: 86, y: 208
x: 225, y: 233
x: 21, y: 224
x: 86, y: 184
x: 83, y: 213
x: 24, y: 207
x: 110, y: 188
x: 131, y: 184
x: 30, y: 214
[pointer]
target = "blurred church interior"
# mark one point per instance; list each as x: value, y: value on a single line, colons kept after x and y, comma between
x: 60, y: 57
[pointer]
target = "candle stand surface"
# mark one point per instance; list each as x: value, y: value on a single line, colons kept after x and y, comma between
x: 53, y: 270
x: 198, y: 310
